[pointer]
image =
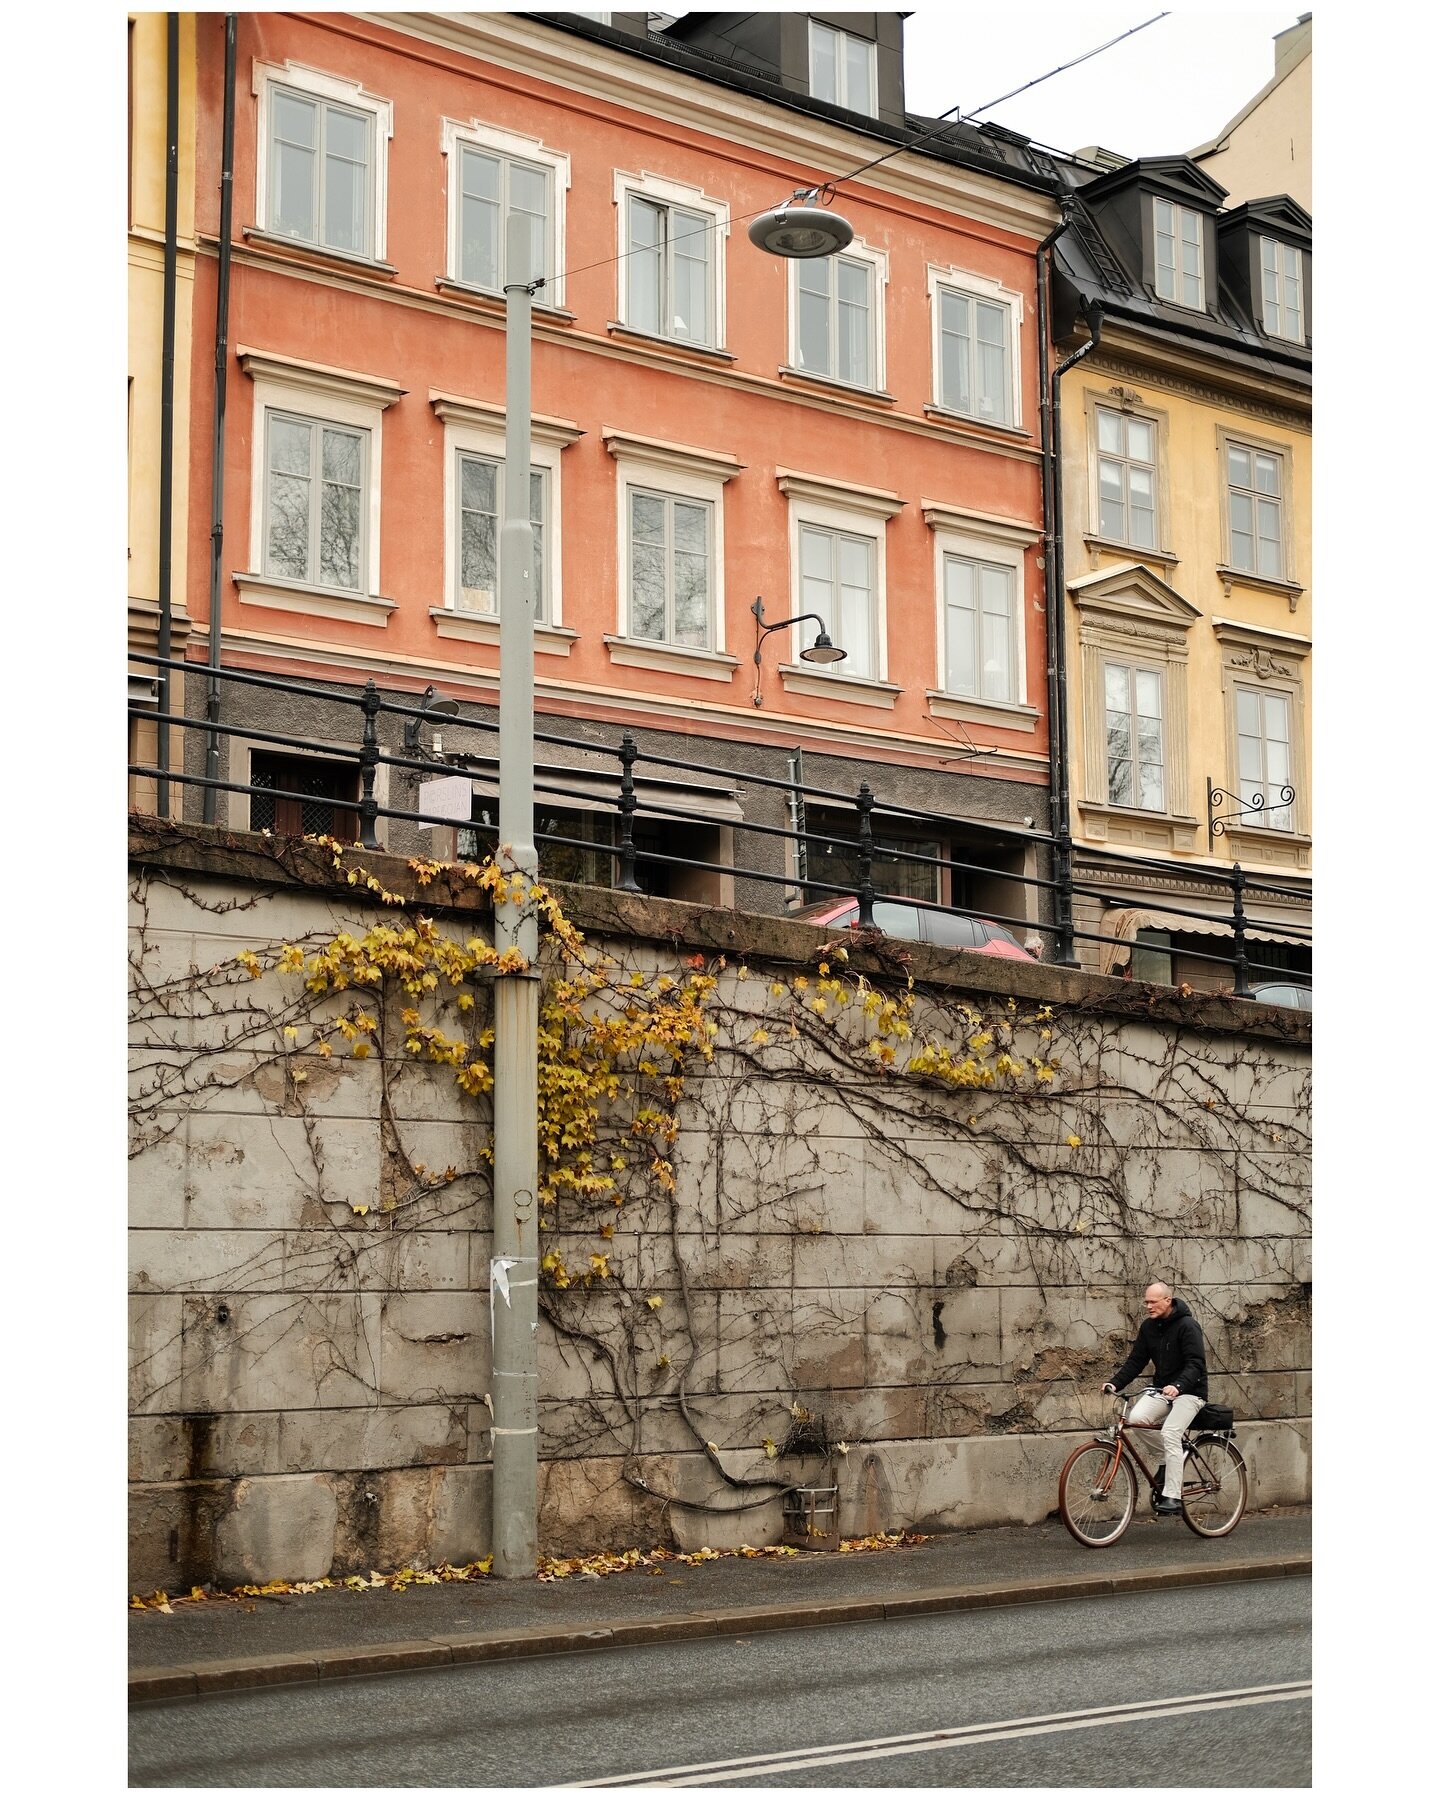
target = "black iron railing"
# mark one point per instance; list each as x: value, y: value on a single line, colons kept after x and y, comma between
x: 1232, y: 884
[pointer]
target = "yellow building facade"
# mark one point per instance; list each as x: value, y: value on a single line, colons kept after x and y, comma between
x: 1186, y: 474
x: 148, y: 144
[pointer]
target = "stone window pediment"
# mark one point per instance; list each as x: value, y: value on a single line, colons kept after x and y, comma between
x: 1135, y: 601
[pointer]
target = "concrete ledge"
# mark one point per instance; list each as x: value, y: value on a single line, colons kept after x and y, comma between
x: 149, y: 1684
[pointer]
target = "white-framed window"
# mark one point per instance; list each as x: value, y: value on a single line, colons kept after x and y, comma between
x: 315, y: 487
x: 1282, y: 290
x: 321, y: 158
x: 314, y: 500
x: 1127, y: 454
x: 982, y: 652
x: 1263, y: 735
x: 671, y: 269
x: 1254, y: 480
x: 839, y: 580
x: 842, y: 69
x: 1179, y: 254
x: 670, y: 540
x: 492, y: 174
x: 837, y: 316
x: 1134, y: 736
x: 976, y: 337
x: 475, y: 507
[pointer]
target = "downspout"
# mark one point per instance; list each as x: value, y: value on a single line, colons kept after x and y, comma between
x: 1053, y: 504
x: 217, y: 440
x: 167, y: 401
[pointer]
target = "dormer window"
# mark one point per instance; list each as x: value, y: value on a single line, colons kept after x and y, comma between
x: 842, y: 70
x: 1281, y: 290
x: 1179, y: 255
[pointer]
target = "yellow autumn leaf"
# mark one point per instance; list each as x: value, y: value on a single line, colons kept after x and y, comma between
x: 654, y: 1302
x: 1073, y: 1141
x: 356, y: 1207
x: 771, y: 1448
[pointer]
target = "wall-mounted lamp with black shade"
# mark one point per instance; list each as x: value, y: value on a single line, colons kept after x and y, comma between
x: 433, y: 707
x: 821, y: 651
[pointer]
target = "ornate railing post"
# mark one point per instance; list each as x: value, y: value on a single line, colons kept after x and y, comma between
x: 864, y: 802
x: 626, y: 881
x: 1242, y: 962
x: 369, y: 762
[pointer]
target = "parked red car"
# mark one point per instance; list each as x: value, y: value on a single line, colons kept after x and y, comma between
x: 921, y: 924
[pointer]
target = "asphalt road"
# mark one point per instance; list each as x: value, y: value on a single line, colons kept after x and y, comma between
x: 996, y: 1680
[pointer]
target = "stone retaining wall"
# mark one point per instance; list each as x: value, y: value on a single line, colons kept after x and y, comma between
x: 943, y: 1278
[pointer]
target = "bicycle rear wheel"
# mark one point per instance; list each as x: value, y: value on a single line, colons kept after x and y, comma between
x: 1097, y: 1499
x: 1215, y: 1487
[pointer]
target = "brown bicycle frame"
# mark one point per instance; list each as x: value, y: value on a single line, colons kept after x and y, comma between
x: 1125, y: 1446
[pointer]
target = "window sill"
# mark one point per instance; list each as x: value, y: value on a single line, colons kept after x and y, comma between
x: 303, y: 251
x: 1003, y: 715
x: 484, y: 628
x: 320, y: 602
x: 492, y: 302
x: 1134, y: 825
x: 830, y: 384
x: 1265, y: 584
x: 859, y: 690
x: 629, y: 334
x: 1095, y: 544
x: 947, y: 415
x: 671, y: 659
x: 1267, y: 844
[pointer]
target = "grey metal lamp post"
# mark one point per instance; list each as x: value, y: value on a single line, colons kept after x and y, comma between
x: 791, y: 231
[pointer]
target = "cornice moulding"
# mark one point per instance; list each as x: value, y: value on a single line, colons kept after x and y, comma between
x: 316, y: 602
x: 455, y: 409
x: 1237, y: 631
x: 940, y: 517
x: 1149, y: 362
x: 690, y: 460
x: 881, y: 503
x: 528, y: 47
x: 290, y: 371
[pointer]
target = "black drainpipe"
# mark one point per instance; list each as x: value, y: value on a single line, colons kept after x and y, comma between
x: 217, y: 441
x: 167, y: 399
x: 1052, y: 487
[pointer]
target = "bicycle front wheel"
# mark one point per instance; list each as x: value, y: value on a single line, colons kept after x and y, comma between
x: 1215, y: 1487
x: 1097, y: 1497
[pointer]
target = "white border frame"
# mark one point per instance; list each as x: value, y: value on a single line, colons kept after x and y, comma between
x: 489, y: 441
x: 475, y: 132
x: 633, y: 470
x: 978, y: 548
x: 977, y: 287
x: 665, y: 192
x: 856, y: 522
x: 879, y: 260
x: 322, y: 86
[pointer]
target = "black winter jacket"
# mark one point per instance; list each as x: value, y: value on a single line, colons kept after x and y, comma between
x: 1176, y: 1347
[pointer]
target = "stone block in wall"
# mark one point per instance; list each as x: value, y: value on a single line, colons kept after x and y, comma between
x: 956, y: 1484
x: 711, y: 1260
x: 420, y: 1093
x: 172, y: 1530
x: 770, y: 1183
x: 777, y: 1109
x: 1203, y: 1262
x: 156, y: 1341
x: 262, y: 1352
x: 1255, y: 1327
x: 377, y: 1253
x: 435, y: 1346
x: 1064, y: 1330
x: 278, y: 1172
x: 278, y: 1527
x: 752, y: 1525
x: 370, y: 1437
x: 773, y: 1341
x: 599, y: 1425
x: 928, y: 1184
x: 246, y: 1082
x: 1277, y: 1455
x: 588, y: 1504
x: 156, y: 1185
x: 863, y: 1260
x: 189, y: 1446
x: 205, y: 1262
x: 1256, y: 1394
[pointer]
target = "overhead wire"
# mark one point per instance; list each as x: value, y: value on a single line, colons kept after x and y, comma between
x: 825, y: 191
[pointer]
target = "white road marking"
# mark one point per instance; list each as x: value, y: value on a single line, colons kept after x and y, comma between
x: 868, y: 1749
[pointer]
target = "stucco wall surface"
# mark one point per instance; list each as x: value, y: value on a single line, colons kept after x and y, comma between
x: 943, y: 1277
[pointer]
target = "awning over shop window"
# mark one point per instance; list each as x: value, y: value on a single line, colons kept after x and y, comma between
x: 1126, y: 921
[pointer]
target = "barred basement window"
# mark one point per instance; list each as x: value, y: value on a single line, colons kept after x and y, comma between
x: 301, y: 796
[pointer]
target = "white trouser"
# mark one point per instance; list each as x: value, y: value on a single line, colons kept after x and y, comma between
x: 1149, y: 1410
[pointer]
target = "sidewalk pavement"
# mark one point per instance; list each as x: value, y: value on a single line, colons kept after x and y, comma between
x: 214, y: 1646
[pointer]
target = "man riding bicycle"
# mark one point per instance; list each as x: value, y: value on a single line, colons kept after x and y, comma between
x: 1170, y: 1338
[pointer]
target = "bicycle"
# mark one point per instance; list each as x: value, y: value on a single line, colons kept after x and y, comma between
x: 1099, y: 1487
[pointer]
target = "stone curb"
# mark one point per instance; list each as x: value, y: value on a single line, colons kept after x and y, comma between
x: 225, y: 1676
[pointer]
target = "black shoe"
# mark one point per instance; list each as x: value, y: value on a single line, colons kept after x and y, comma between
x: 1167, y: 1508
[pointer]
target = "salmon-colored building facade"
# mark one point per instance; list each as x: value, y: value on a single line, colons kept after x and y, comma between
x: 856, y: 437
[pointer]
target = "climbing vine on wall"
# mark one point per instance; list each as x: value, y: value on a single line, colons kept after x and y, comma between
x: 616, y: 1043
